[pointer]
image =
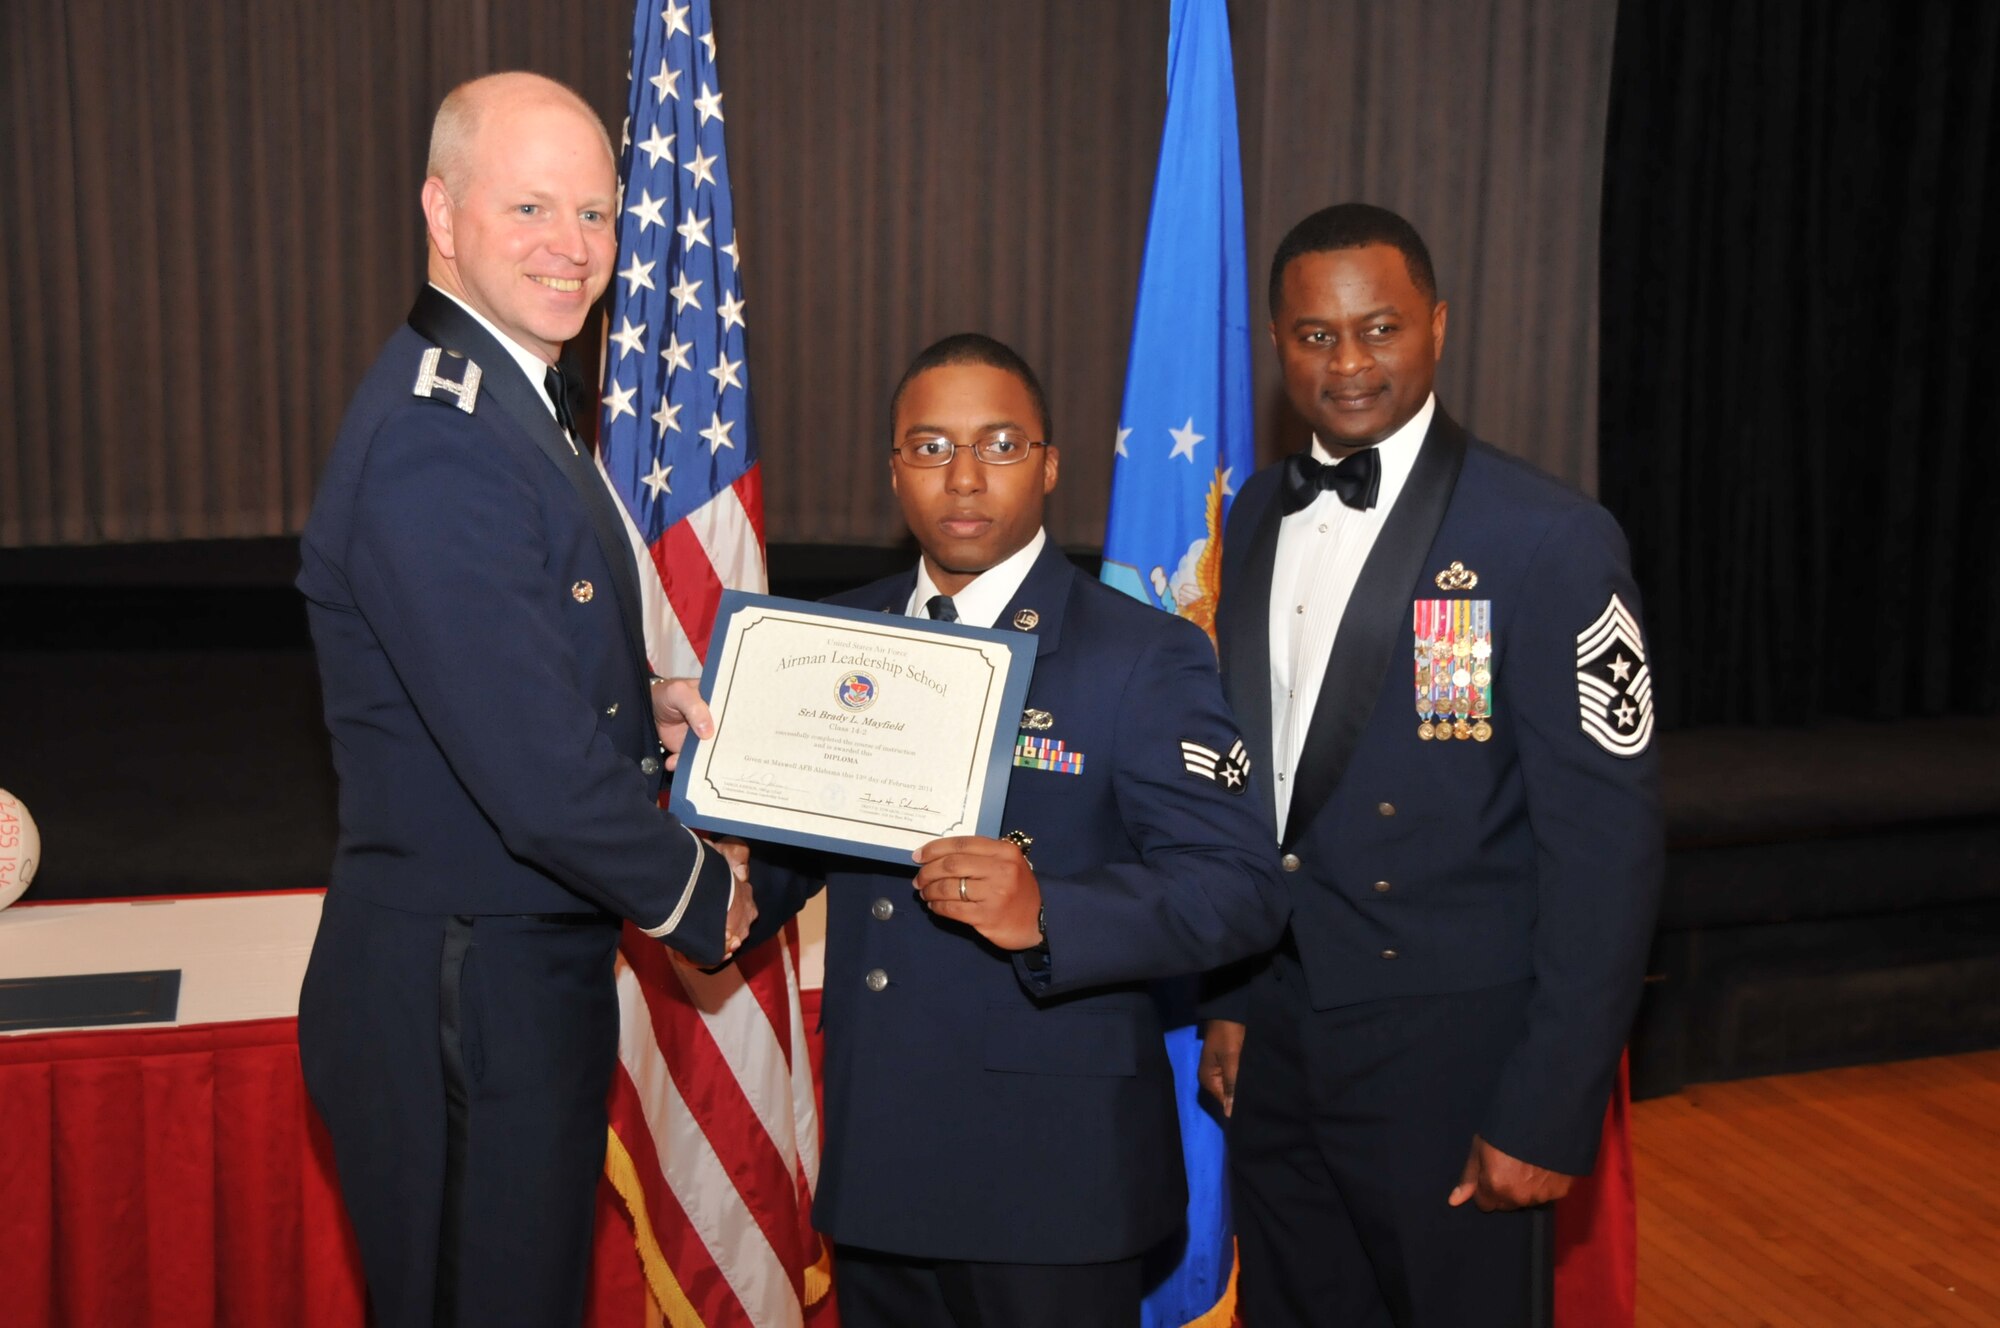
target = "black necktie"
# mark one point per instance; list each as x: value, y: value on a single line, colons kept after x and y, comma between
x: 941, y: 609
x: 567, y: 395
x: 1357, y: 480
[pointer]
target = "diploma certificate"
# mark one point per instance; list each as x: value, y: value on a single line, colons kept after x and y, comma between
x: 853, y: 731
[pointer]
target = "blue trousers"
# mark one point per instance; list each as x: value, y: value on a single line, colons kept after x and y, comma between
x: 461, y: 1064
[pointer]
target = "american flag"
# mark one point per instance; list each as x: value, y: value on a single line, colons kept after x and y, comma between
x: 714, y: 1144
x: 676, y: 435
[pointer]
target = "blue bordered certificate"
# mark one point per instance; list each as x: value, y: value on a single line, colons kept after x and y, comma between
x: 852, y: 731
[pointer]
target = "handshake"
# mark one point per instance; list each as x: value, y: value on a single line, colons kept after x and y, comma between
x: 742, y: 908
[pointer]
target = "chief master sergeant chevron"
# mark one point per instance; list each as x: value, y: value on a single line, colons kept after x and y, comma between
x: 499, y: 743
x: 1436, y: 650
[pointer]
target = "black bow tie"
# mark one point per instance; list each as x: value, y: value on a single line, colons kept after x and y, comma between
x: 566, y: 394
x: 1357, y: 480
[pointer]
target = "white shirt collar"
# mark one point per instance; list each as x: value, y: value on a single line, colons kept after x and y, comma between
x: 533, y: 365
x: 980, y: 602
x: 1398, y: 453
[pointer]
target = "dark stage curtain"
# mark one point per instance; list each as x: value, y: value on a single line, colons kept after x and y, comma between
x: 213, y: 221
x: 1801, y: 249
x: 1483, y: 123
x: 212, y: 224
x: 906, y: 169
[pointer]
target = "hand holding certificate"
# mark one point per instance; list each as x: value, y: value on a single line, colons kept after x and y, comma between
x: 851, y: 731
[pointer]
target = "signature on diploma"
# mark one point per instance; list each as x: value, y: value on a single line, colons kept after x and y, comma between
x: 870, y: 802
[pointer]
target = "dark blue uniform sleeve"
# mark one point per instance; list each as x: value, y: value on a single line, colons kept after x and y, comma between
x: 449, y: 564
x: 782, y: 879
x: 1225, y: 992
x: 1593, y: 804
x: 1205, y: 889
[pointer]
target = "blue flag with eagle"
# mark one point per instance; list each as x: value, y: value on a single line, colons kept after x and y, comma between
x: 1183, y: 445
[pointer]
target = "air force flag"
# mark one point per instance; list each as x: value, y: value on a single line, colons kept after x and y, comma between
x: 1184, y: 435
x: 1183, y: 444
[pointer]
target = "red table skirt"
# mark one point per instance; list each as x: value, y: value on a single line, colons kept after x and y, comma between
x: 178, y: 1178
x: 168, y: 1177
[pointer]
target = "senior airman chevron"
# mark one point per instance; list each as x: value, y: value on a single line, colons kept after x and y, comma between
x: 1613, y: 685
x: 1231, y: 770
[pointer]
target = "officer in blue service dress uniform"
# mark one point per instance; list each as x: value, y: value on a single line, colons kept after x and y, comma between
x: 1435, y: 651
x: 474, y: 606
x: 1001, y: 1136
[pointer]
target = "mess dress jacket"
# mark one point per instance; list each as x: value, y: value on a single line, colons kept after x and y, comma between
x: 1421, y: 866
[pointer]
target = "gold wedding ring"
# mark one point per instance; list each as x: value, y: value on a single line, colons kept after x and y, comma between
x: 961, y: 891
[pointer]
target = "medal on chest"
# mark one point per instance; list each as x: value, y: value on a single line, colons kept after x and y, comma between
x: 1454, y: 667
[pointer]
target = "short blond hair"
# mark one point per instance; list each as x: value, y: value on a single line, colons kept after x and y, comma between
x: 464, y: 108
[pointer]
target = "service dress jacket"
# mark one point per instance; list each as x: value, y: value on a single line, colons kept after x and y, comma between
x: 979, y: 1106
x: 475, y: 608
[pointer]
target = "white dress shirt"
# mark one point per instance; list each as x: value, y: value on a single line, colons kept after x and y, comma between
x: 980, y: 603
x: 1321, y: 549
x: 652, y: 596
x: 534, y: 366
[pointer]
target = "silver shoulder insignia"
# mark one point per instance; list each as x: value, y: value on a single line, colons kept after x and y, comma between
x: 452, y: 384
x: 1613, y: 685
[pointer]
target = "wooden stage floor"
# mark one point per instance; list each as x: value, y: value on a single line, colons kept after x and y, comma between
x: 1864, y: 1196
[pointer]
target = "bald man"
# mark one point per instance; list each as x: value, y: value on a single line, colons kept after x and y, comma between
x: 500, y: 742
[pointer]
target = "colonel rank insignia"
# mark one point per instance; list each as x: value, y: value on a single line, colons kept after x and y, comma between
x: 1612, y: 684
x: 1230, y: 769
x: 1454, y: 667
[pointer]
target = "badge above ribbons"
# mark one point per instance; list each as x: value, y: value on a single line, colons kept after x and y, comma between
x: 1613, y: 685
x: 1454, y: 667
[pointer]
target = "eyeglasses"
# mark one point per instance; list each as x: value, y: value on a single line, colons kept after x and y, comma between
x: 995, y: 449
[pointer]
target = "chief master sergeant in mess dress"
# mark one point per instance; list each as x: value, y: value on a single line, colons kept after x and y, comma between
x: 474, y: 602
x: 1002, y: 1142
x: 1436, y: 649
